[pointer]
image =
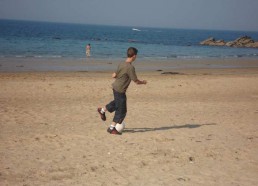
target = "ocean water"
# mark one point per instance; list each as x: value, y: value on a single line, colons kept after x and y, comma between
x: 27, y: 39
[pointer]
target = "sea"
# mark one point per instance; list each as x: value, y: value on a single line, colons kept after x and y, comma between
x: 30, y: 39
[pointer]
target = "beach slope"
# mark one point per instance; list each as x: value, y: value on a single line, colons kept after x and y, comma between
x: 193, y: 127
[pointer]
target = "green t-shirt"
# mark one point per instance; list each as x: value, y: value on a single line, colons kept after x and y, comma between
x: 124, y: 74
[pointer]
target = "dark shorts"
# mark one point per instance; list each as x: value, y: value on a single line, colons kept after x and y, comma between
x: 119, y: 106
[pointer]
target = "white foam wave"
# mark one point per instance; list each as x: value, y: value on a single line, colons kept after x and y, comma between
x: 135, y: 29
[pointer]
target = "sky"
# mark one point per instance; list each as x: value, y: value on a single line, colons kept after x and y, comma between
x: 189, y: 14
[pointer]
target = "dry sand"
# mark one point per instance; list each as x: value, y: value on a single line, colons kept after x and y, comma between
x: 198, y: 127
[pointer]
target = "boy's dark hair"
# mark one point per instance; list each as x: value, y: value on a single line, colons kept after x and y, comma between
x: 131, y: 52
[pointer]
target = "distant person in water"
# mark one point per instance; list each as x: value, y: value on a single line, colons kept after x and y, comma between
x: 88, y: 48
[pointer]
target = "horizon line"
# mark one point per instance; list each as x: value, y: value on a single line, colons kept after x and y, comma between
x: 131, y: 26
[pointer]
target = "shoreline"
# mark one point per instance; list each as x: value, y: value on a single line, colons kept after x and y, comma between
x: 91, y: 64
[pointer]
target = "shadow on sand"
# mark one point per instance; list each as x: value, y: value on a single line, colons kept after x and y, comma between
x: 190, y: 126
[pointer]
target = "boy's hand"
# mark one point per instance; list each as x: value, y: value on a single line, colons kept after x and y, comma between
x: 144, y: 82
x: 114, y: 75
x: 139, y: 82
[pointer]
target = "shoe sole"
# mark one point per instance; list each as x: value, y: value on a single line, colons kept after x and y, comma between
x: 114, y: 131
x: 102, y: 116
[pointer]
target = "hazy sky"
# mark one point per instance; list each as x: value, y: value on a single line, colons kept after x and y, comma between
x: 200, y: 14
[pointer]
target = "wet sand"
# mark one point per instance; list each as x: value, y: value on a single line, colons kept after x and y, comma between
x: 93, y: 65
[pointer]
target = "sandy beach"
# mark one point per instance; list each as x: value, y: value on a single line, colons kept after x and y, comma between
x: 191, y: 126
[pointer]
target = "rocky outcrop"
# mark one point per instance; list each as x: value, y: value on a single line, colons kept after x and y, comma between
x: 244, y: 41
